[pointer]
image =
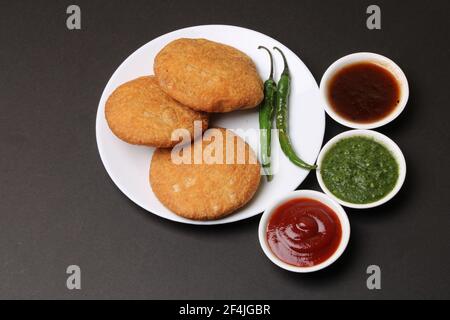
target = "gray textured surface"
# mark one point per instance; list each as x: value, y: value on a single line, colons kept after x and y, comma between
x: 58, y: 206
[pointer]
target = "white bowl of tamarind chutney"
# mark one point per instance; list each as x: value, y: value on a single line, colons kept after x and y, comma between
x: 364, y: 90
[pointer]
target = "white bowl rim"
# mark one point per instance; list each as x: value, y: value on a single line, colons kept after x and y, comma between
x: 310, y: 194
x: 386, y: 142
x: 370, y: 57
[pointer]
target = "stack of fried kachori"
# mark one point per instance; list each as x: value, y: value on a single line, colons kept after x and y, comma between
x: 193, y: 77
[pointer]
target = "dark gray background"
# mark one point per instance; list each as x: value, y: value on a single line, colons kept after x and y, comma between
x: 59, y: 207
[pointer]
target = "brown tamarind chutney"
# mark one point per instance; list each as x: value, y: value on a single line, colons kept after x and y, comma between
x: 364, y: 92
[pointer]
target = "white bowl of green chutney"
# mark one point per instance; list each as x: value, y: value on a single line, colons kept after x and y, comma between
x: 361, y: 169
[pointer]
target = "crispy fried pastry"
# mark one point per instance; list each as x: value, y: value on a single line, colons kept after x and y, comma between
x: 139, y: 112
x: 223, y: 179
x: 208, y: 76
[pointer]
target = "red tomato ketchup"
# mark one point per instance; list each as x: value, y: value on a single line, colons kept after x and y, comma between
x: 304, y: 232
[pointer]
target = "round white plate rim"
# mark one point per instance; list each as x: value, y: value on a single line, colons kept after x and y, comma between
x: 100, y: 116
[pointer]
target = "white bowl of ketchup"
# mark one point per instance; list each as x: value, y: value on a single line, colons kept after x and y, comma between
x: 304, y: 231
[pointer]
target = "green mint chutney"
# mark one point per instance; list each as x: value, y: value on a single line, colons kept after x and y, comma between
x: 359, y: 170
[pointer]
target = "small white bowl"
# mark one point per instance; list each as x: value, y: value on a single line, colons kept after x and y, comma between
x: 378, y: 137
x: 310, y: 194
x: 365, y: 57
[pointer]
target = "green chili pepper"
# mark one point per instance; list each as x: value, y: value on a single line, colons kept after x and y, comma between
x: 266, y: 114
x: 282, y: 98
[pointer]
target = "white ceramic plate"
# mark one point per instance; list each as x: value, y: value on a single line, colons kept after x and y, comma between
x: 128, y: 165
